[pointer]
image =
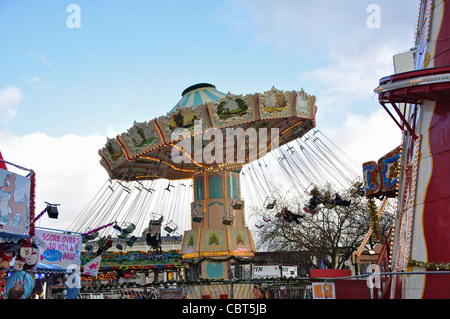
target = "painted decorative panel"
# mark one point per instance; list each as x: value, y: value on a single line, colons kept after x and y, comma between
x: 274, y: 104
x: 232, y: 110
x: 140, y: 138
x: 382, y: 178
x: 372, y: 185
x: 190, y: 242
x: 213, y: 239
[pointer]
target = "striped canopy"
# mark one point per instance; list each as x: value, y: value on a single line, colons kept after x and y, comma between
x: 199, y: 94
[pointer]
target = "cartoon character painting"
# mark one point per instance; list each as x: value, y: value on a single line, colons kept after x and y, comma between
x: 16, y: 208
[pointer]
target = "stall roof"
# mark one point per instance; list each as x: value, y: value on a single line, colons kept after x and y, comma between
x: 11, y: 238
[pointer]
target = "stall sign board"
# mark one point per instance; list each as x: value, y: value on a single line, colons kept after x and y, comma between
x: 59, y: 249
x: 323, y: 290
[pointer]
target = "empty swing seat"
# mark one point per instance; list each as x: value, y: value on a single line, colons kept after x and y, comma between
x: 130, y: 228
x: 170, y: 227
x: 130, y: 242
x: 123, y: 236
x: 269, y: 203
x: 197, y: 217
x: 227, y: 220
x: 156, y: 222
x: 237, y: 204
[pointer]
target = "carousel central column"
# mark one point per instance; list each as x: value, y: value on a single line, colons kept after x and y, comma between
x: 218, y: 234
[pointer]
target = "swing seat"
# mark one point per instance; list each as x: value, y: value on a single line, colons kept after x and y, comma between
x: 89, y: 237
x: 123, y: 236
x: 237, y: 204
x: 170, y: 227
x: 104, y: 244
x: 198, y: 217
x: 153, y: 240
x: 269, y: 203
x: 358, y: 185
x: 197, y: 214
x: 327, y: 201
x: 119, y: 246
x: 130, y: 242
x: 227, y: 220
x: 102, y: 241
x: 156, y: 222
x: 326, y: 198
x: 316, y: 200
x: 329, y: 204
x: 130, y: 228
x: 310, y: 209
x: 89, y: 248
x: 355, y: 192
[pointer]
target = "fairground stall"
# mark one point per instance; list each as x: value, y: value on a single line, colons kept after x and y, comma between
x: 32, y: 258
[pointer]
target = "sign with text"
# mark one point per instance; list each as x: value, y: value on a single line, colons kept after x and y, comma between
x: 321, y: 290
x: 58, y: 249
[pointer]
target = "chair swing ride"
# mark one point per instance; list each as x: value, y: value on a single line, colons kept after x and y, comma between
x: 140, y: 160
x: 148, y: 191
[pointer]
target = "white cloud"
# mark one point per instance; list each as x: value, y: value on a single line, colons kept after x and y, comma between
x: 343, y: 58
x: 41, y: 57
x: 10, y: 98
x: 33, y: 79
x: 37, y: 82
x: 348, y: 78
x: 67, y: 171
x: 45, y: 62
x: 366, y: 138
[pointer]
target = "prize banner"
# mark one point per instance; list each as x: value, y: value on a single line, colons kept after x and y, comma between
x: 58, y: 249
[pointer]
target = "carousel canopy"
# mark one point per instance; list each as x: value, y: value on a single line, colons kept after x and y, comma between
x: 203, y: 115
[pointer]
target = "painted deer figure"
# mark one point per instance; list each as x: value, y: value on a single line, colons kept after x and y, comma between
x: 17, y: 208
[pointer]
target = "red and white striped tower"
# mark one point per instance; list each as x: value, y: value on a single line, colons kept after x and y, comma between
x: 417, y: 97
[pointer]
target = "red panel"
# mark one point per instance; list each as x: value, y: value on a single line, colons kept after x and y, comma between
x: 442, y: 54
x: 436, y: 216
x: 352, y: 289
x: 329, y: 273
x: 436, y: 223
x: 436, y: 287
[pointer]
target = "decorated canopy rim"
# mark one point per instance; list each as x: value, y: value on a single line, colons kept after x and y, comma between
x: 146, y: 150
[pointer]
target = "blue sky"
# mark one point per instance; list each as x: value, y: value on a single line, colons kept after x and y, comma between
x: 65, y: 90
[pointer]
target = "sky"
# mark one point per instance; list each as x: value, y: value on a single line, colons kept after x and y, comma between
x: 69, y: 79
